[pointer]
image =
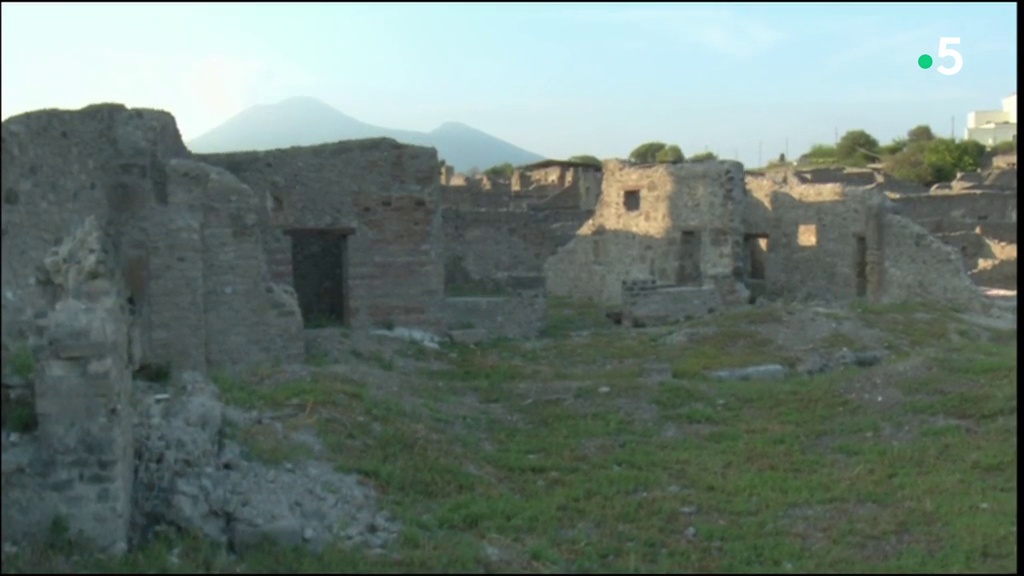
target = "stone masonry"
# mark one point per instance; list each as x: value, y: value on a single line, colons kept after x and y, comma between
x: 678, y: 224
x: 186, y: 237
x: 832, y: 241
x: 79, y: 465
x: 378, y: 197
x: 124, y: 254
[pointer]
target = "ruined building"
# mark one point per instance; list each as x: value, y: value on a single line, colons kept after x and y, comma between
x: 124, y: 253
x: 545, y: 185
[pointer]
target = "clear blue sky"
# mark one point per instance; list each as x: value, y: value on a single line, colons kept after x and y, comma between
x: 557, y: 79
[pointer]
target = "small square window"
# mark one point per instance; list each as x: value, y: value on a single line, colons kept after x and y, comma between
x: 631, y: 200
x: 807, y: 235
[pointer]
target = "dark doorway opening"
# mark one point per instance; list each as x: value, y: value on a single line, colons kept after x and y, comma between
x: 320, y: 275
x: 688, y: 273
x: 756, y: 252
x: 860, y: 266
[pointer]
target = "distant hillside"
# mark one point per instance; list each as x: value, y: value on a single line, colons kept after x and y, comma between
x: 306, y: 121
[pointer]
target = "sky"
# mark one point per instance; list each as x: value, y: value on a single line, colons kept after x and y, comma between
x: 746, y: 81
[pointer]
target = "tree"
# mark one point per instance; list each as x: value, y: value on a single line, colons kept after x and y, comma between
x: 944, y: 158
x: 646, y: 153
x: 703, y: 156
x: 922, y: 133
x: 909, y: 164
x: 970, y: 155
x: 473, y: 172
x: 586, y: 159
x: 894, y: 147
x: 1008, y: 147
x: 857, y: 147
x: 671, y: 154
x: 936, y: 160
x: 500, y: 171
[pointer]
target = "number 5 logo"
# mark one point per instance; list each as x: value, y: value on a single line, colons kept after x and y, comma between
x: 946, y: 51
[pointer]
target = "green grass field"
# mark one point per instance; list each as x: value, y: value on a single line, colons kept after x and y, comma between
x: 560, y: 456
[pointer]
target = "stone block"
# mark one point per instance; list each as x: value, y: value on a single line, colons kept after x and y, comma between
x: 762, y: 372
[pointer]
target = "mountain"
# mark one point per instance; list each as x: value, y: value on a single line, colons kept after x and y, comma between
x: 304, y: 121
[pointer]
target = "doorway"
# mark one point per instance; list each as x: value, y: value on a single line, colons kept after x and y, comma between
x: 320, y: 275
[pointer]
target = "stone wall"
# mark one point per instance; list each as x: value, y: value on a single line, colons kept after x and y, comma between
x: 818, y: 242
x: 679, y: 224
x: 185, y: 236
x: 919, y: 266
x: 464, y: 197
x: 490, y: 245
x: 965, y: 206
x: 61, y: 167
x: 644, y: 303
x: 522, y: 314
x: 79, y: 466
x: 999, y: 231
x: 834, y: 241
x: 247, y: 318
x: 384, y: 196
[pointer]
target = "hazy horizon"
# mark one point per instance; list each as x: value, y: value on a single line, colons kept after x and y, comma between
x: 555, y: 79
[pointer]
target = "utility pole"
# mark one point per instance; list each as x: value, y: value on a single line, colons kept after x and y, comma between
x: 952, y: 128
x: 836, y: 142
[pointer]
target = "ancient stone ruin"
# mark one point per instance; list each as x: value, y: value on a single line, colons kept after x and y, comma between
x: 126, y: 256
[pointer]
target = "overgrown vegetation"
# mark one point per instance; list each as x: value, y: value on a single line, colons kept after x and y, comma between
x: 703, y: 156
x: 500, y: 171
x: 656, y: 152
x: 587, y: 159
x: 1005, y: 147
x: 559, y: 456
x: 22, y: 361
x: 19, y: 413
x: 919, y: 157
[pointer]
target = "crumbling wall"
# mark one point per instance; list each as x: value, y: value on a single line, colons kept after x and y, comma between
x: 644, y: 303
x: 637, y: 231
x: 589, y: 183
x: 462, y: 197
x: 520, y: 313
x: 1005, y: 232
x: 384, y: 194
x: 191, y: 475
x: 813, y: 246
x: 184, y: 236
x: 485, y: 245
x: 61, y: 167
x: 245, y: 317
x: 78, y: 466
x: 563, y: 185
x: 965, y: 206
x: 919, y: 266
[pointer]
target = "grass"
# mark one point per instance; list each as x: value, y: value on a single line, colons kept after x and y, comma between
x: 23, y: 362
x: 556, y: 456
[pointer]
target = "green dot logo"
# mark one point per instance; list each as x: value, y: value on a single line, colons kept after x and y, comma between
x: 946, y: 51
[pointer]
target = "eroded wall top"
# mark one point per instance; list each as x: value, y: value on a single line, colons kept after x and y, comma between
x: 319, y: 186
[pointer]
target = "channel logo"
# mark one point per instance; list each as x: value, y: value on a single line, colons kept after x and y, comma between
x: 925, y: 61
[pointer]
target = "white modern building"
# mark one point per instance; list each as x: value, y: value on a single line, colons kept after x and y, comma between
x: 991, y: 127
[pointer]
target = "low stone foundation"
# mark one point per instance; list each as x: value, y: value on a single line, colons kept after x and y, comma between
x: 644, y: 303
x: 522, y: 315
